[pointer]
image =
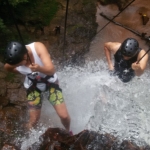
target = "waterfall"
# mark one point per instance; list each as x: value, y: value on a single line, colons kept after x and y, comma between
x: 99, y: 102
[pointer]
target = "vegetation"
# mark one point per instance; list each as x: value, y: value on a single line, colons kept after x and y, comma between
x: 25, y: 13
x: 10, y: 77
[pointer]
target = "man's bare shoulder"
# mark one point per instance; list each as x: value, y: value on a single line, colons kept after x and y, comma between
x: 112, y: 46
x: 143, y: 53
x: 39, y: 45
x: 40, y: 48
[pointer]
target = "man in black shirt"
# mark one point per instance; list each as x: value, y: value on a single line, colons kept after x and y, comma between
x: 126, y: 56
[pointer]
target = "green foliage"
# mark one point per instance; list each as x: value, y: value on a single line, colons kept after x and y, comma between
x: 72, y: 29
x: 40, y: 13
x: 10, y: 77
x: 84, y: 2
x: 39, y: 10
x: 16, y: 2
x: 2, y: 26
x: 5, y: 36
x: 47, y: 10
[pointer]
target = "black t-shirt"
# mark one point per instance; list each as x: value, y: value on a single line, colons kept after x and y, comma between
x: 120, y: 64
x: 122, y: 68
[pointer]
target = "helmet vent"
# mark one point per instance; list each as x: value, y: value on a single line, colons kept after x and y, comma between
x: 14, y: 52
x: 129, y: 47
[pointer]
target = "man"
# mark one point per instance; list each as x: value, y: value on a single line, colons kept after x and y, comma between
x: 126, y: 56
x: 34, y: 62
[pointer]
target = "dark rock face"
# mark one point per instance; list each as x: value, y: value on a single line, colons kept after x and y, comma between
x: 12, y: 107
x: 120, y: 3
x: 59, y: 139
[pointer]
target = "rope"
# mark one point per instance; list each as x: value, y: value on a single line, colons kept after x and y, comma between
x: 116, y: 16
x: 12, y: 15
x: 67, y: 4
x: 143, y: 56
x: 133, y: 31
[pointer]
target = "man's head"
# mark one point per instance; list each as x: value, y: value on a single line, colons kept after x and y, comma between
x: 14, y: 53
x: 129, y: 47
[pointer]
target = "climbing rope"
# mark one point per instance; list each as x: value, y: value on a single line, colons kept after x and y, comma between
x: 12, y: 15
x: 115, y: 16
x: 65, y: 26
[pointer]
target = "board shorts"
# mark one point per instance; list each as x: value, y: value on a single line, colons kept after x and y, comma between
x: 34, y: 96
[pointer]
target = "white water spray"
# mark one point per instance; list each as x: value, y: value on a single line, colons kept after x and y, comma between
x: 100, y: 102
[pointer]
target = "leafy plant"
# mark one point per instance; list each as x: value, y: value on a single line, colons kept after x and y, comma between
x: 10, y: 77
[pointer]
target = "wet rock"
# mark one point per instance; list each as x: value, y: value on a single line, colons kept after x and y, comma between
x: 12, y: 118
x: 126, y: 145
x: 59, y: 139
x: 9, y: 147
x: 145, y: 18
x: 3, y: 101
x: 13, y: 85
x: 2, y: 75
x: 120, y: 3
x: 13, y: 111
x: 17, y: 96
x: 2, y: 87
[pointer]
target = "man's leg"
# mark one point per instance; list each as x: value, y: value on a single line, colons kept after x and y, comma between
x: 62, y: 112
x: 56, y: 99
x: 34, y: 115
x: 34, y: 108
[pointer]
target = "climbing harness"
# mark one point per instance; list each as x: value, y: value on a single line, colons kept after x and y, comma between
x: 39, y: 79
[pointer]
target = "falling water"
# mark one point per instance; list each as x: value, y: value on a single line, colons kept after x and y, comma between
x: 97, y: 101
x: 102, y: 103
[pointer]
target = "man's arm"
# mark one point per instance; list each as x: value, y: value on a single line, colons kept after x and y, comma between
x: 140, y: 67
x: 10, y: 68
x: 110, y: 47
x: 48, y: 67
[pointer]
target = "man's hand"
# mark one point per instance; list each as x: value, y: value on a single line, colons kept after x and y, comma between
x: 111, y: 67
x: 35, y: 67
x: 136, y: 66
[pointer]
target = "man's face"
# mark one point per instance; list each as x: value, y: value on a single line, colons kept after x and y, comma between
x: 126, y: 57
x: 24, y: 61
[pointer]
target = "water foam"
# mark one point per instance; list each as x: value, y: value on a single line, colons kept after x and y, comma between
x: 100, y: 102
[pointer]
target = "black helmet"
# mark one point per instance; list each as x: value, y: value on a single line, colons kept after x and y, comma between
x: 14, y: 53
x: 129, y: 47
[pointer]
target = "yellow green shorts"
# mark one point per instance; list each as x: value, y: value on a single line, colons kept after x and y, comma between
x: 55, y: 97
